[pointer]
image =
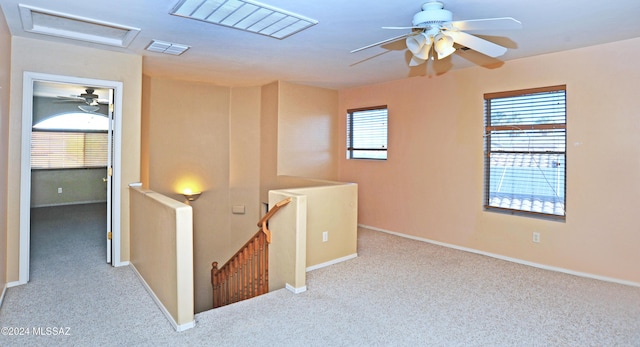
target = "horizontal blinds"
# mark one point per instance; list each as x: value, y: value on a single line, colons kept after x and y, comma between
x: 367, y: 134
x: 57, y: 150
x: 526, y: 152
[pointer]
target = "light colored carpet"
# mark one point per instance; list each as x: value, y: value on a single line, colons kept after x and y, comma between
x: 398, y: 292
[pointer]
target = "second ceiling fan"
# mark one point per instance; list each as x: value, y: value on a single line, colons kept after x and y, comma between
x: 434, y: 33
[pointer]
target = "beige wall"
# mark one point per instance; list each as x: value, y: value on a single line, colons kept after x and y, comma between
x: 71, y: 60
x: 298, y: 135
x: 79, y: 186
x: 188, y: 141
x: 334, y: 209
x: 5, y: 68
x: 288, y: 250
x: 162, y: 250
x: 307, y: 131
x: 244, y: 163
x: 431, y: 185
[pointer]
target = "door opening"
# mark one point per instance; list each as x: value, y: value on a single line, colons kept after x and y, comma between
x: 100, y: 100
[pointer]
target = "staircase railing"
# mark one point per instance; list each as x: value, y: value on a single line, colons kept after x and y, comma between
x: 246, y: 274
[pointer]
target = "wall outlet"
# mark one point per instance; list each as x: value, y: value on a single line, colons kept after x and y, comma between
x: 60, y: 190
x: 325, y: 236
x: 536, y: 237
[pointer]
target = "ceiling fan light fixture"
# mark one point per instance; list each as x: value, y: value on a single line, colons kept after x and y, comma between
x: 416, y: 42
x: 88, y: 108
x: 443, y: 44
x: 425, y: 51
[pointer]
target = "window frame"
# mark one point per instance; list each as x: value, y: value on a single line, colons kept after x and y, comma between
x: 350, y: 127
x: 548, y: 127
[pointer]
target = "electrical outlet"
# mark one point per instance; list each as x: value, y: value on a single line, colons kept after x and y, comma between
x: 325, y: 236
x: 536, y: 237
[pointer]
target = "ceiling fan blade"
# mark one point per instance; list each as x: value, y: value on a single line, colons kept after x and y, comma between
x: 406, y: 28
x: 477, y: 44
x: 381, y: 42
x: 70, y: 99
x: 504, y: 23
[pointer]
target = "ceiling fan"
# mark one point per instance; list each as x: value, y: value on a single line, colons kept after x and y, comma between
x: 88, y: 97
x: 434, y: 32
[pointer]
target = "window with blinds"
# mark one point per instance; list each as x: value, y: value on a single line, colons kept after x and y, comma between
x: 62, y: 150
x: 367, y: 133
x: 525, y: 151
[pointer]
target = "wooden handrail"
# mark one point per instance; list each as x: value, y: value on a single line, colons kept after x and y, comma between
x: 246, y: 274
x: 263, y: 221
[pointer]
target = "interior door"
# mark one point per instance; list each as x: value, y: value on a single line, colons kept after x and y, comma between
x: 109, y: 178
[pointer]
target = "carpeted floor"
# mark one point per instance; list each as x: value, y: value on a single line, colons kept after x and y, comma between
x: 397, y: 292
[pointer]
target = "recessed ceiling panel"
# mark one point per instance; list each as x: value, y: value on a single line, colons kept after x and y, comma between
x: 245, y: 15
x: 40, y: 21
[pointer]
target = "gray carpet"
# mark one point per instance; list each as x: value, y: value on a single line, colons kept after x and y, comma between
x: 398, y: 292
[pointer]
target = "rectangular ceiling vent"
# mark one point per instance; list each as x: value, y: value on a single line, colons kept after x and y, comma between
x: 167, y: 47
x: 245, y: 15
x: 40, y: 21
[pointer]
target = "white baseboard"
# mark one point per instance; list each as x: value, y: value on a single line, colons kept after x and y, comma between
x: 71, y: 203
x: 332, y: 262
x: 4, y: 290
x: 15, y: 284
x: 122, y: 263
x: 176, y: 326
x: 295, y: 290
x: 510, y: 259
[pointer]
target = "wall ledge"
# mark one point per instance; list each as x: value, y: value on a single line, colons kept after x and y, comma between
x: 509, y: 259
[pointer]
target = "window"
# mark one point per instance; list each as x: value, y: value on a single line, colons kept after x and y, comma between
x: 525, y: 151
x: 57, y: 143
x: 367, y: 133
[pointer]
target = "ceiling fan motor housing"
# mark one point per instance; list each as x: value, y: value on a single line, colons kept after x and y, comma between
x: 89, y: 94
x: 432, y: 13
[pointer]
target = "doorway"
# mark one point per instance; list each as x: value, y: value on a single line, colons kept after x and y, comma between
x: 33, y: 85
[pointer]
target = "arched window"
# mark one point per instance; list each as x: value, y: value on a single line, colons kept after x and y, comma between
x: 70, y: 140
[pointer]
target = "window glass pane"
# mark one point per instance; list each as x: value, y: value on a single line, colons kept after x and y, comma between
x: 367, y: 134
x: 75, y: 121
x: 525, y: 166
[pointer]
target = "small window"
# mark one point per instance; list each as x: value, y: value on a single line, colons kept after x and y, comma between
x: 367, y: 133
x: 525, y: 151
x: 75, y: 140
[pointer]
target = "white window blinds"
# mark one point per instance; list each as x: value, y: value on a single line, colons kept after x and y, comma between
x: 525, y: 151
x: 367, y: 133
x: 58, y: 150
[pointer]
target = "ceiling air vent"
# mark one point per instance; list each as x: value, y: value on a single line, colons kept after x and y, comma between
x: 245, y: 15
x: 166, y: 47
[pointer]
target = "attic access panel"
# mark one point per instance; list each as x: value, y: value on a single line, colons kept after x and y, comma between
x: 41, y: 21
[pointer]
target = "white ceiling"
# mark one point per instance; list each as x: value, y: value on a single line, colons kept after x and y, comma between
x: 320, y: 55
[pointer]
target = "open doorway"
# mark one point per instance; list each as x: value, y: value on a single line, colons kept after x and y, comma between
x: 70, y: 158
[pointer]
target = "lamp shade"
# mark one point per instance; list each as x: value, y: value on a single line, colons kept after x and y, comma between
x: 415, y: 42
x: 443, y: 44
